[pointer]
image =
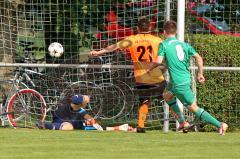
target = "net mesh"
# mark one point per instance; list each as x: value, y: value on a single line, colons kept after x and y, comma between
x: 28, y: 27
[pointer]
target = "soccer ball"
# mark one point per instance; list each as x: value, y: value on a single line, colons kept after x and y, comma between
x: 55, y: 49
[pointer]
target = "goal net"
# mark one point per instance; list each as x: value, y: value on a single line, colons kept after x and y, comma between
x: 28, y: 27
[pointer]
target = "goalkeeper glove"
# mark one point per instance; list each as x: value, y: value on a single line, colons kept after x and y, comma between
x: 93, y: 123
x: 98, y: 127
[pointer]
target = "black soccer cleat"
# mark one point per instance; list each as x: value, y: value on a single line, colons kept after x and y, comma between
x: 141, y: 130
x: 185, y: 127
x: 185, y: 130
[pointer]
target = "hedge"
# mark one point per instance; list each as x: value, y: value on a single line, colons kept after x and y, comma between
x: 220, y: 93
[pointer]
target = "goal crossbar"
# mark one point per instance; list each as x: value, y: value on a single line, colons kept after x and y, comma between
x: 109, y: 66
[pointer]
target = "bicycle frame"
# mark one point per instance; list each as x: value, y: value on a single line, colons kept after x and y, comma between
x: 20, y: 103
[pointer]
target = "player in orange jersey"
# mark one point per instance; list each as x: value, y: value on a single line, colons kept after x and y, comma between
x: 143, y: 48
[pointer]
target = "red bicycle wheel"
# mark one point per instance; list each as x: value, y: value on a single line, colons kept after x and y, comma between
x: 25, y: 108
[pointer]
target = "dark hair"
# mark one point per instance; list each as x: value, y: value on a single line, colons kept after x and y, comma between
x: 170, y: 27
x: 143, y: 24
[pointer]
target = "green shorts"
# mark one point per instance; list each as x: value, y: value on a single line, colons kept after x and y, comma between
x: 183, y: 92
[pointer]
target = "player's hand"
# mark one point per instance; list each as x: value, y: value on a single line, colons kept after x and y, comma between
x: 90, y: 122
x: 93, y: 53
x: 98, y: 127
x: 201, y: 78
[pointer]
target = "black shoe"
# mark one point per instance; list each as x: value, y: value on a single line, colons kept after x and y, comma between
x: 40, y: 124
x: 141, y: 130
x: 185, y: 127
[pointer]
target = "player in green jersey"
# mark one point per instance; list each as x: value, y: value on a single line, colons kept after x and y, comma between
x: 177, y: 55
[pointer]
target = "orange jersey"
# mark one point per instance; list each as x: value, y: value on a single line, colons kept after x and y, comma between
x: 143, y: 49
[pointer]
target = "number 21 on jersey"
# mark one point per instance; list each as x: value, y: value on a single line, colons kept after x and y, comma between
x: 143, y: 50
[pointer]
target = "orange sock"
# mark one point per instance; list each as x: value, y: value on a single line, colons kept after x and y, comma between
x: 142, y: 114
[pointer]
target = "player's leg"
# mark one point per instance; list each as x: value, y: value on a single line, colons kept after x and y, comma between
x: 185, y: 94
x: 142, y: 114
x: 175, y: 110
x: 56, y: 124
x: 143, y: 108
x: 48, y: 125
x: 170, y: 98
x: 66, y: 126
x: 123, y: 127
x: 205, y: 116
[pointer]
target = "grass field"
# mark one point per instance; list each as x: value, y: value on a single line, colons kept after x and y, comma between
x: 44, y: 144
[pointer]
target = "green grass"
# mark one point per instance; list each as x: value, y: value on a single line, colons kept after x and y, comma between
x: 44, y: 144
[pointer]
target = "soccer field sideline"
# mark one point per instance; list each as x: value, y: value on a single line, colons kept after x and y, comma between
x: 39, y: 144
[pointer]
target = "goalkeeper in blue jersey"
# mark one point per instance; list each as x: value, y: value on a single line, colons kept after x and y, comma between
x: 177, y: 56
x: 71, y: 115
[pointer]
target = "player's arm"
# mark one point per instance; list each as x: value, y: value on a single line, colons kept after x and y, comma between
x: 92, y: 122
x: 120, y: 45
x: 199, y: 62
x: 159, y: 60
x: 108, y: 49
x: 156, y: 63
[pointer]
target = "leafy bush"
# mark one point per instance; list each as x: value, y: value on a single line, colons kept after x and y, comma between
x: 220, y: 94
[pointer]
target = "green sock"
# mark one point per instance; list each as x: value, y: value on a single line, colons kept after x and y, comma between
x: 177, y: 112
x: 204, y: 115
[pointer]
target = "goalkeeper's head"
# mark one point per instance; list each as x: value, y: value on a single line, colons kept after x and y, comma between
x: 80, y: 101
x: 144, y: 25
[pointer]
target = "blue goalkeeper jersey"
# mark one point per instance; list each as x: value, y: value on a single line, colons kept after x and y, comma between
x: 65, y: 113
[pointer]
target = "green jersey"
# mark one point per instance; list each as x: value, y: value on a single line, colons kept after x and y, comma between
x: 177, y: 56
